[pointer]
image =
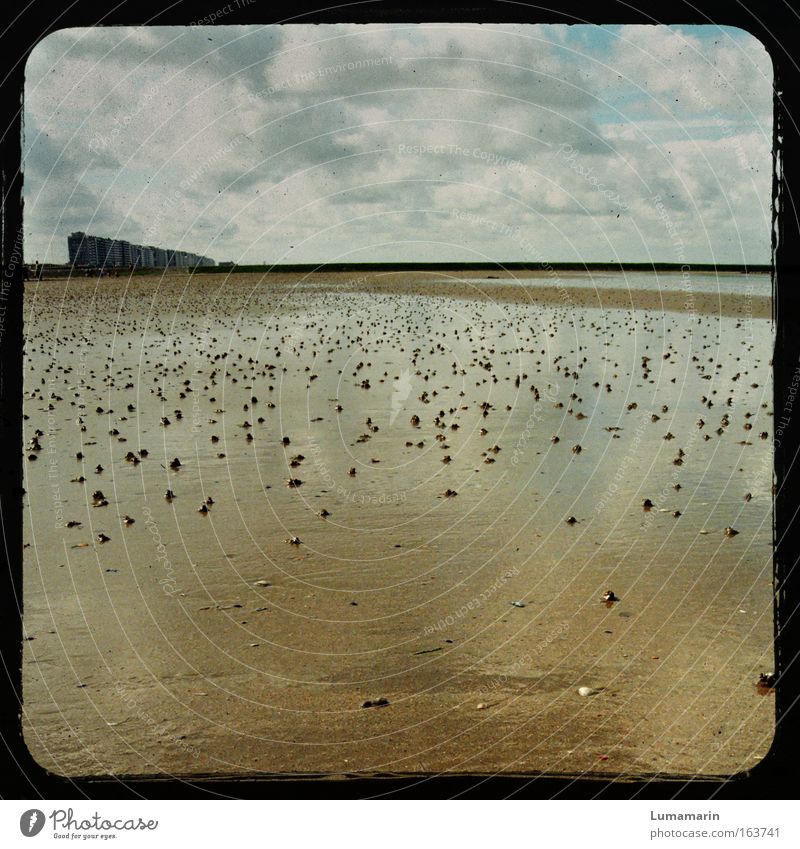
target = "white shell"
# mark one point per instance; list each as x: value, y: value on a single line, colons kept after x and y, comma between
x: 587, y: 691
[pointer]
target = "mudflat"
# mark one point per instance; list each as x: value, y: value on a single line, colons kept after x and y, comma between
x: 409, y: 490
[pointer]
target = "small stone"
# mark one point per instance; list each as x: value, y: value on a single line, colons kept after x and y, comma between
x: 767, y: 680
x: 381, y: 702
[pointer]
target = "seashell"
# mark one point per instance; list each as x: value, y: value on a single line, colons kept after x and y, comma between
x: 587, y: 691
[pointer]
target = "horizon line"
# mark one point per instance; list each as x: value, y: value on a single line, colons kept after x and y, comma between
x: 496, y: 265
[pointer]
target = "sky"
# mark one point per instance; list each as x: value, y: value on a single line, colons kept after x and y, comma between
x: 408, y: 142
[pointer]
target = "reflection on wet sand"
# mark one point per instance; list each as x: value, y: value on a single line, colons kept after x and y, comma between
x: 311, y: 498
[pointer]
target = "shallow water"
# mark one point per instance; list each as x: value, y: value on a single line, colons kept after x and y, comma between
x: 399, y: 590
x: 640, y: 281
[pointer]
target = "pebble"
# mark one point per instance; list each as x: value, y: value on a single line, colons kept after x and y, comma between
x: 381, y: 702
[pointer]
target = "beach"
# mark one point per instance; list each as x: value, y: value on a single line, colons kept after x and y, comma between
x: 447, y: 426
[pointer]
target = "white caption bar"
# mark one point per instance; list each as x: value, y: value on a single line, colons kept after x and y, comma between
x: 399, y: 824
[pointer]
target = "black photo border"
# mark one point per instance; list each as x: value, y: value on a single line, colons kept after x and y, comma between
x: 777, y: 26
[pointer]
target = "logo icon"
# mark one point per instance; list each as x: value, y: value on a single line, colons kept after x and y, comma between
x: 401, y: 389
x: 31, y: 822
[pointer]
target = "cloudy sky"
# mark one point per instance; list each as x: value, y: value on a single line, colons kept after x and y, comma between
x: 407, y: 142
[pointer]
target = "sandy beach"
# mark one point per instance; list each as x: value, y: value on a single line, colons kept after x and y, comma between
x: 372, y: 501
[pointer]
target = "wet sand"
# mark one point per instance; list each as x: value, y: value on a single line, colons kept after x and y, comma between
x: 192, y: 642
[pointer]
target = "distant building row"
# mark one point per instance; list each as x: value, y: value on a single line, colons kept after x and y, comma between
x: 97, y: 252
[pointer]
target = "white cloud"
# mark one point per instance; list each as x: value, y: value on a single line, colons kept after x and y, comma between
x: 240, y: 142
